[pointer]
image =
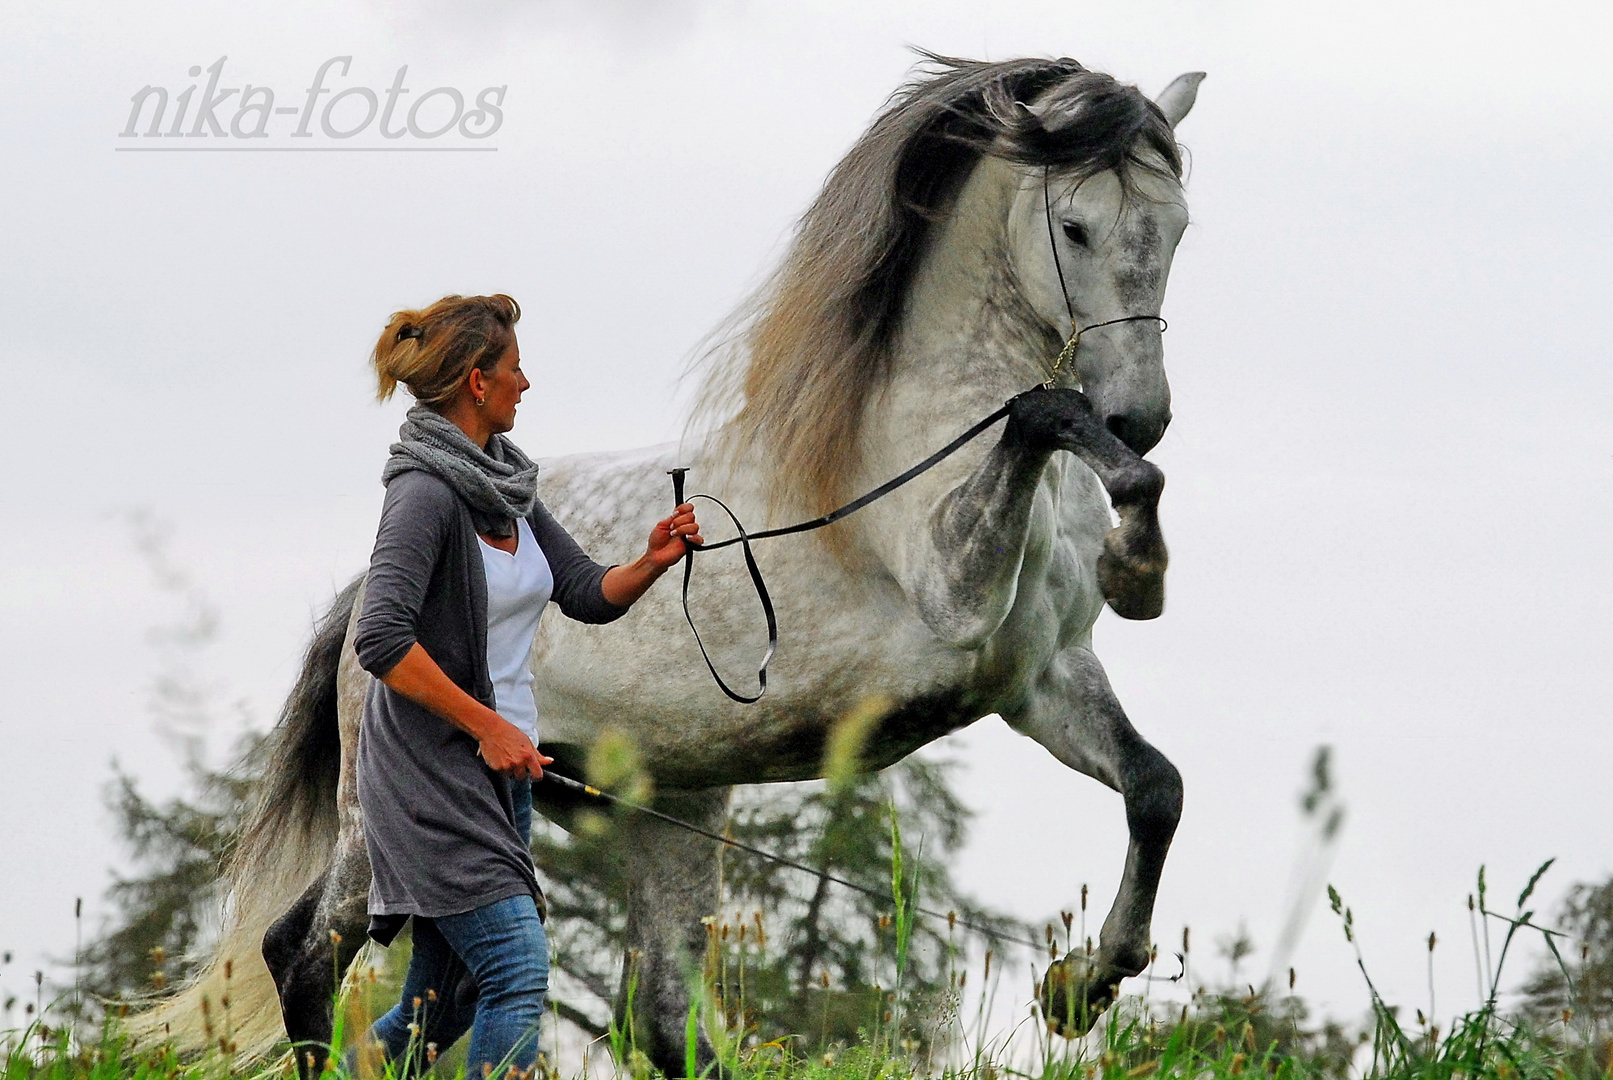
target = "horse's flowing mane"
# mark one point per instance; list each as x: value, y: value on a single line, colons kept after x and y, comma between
x: 790, y: 379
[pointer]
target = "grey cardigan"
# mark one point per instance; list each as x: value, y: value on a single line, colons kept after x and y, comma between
x: 438, y: 823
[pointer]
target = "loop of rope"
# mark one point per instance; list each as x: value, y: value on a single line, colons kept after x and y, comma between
x: 743, y: 539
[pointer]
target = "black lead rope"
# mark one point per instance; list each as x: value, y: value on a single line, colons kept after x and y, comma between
x: 1066, y: 354
x: 744, y: 540
x: 756, y: 579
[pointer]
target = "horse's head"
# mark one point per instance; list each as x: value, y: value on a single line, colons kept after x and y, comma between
x: 1091, y: 235
x: 1090, y: 155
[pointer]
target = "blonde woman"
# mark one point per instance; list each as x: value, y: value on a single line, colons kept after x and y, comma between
x: 466, y: 559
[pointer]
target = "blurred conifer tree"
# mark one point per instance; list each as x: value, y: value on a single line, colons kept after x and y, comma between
x: 1585, y: 991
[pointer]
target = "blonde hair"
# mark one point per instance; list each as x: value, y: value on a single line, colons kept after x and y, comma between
x: 430, y: 351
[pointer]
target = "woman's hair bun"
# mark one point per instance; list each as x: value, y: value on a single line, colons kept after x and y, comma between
x: 465, y: 332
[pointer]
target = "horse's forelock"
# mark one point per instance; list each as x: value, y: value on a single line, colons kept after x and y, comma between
x: 815, y: 343
x: 1090, y: 123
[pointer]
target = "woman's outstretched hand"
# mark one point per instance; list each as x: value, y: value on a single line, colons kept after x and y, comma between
x: 667, y: 538
x: 669, y: 542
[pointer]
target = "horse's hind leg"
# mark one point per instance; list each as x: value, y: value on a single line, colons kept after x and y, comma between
x: 309, y: 947
x: 1074, y: 714
x: 672, y: 885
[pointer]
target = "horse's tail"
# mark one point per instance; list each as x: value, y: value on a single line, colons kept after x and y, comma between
x: 284, y: 844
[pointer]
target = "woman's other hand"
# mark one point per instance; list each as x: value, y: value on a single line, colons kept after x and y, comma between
x: 507, y: 750
x: 504, y: 746
x: 667, y: 539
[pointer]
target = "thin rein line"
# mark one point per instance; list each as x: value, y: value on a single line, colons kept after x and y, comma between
x: 858, y: 503
x: 593, y: 792
x: 924, y: 466
x: 949, y: 918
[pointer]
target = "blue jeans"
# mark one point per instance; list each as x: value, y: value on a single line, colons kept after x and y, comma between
x: 485, y: 971
x: 522, y: 790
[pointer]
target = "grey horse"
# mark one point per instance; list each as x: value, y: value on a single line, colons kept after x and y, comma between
x: 989, y: 211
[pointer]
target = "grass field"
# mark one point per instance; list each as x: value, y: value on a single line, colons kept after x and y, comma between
x: 1214, y: 1036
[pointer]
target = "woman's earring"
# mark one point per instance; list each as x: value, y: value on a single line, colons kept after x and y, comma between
x: 480, y: 402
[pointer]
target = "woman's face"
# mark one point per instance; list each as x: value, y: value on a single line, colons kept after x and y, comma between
x: 500, y: 389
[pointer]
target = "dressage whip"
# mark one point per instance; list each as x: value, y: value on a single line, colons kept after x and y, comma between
x: 592, y: 792
x: 949, y: 918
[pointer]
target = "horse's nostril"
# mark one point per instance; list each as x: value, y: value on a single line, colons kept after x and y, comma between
x: 1117, y: 426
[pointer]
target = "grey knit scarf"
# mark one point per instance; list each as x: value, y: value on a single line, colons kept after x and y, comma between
x: 499, y: 484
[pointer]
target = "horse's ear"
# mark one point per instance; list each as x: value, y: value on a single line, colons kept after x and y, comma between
x: 1176, y: 100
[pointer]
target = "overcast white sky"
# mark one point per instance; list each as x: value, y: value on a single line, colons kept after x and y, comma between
x: 1389, y: 469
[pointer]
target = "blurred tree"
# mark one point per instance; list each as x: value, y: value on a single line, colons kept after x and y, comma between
x: 164, y: 909
x: 1585, y: 990
x: 793, y: 954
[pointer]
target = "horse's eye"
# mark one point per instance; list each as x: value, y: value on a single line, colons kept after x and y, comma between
x: 1076, y: 233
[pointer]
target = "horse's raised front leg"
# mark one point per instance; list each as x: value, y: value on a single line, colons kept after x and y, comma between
x: 1074, y: 714
x: 310, y: 946
x: 964, y: 581
x: 672, y: 884
x: 1131, y: 570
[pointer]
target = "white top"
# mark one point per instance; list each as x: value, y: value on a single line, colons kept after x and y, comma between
x: 518, y: 588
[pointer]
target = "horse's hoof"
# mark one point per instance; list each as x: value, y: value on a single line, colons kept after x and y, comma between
x: 1133, y: 593
x: 1074, y: 993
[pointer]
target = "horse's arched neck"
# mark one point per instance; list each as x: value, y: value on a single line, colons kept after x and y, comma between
x: 969, y: 338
